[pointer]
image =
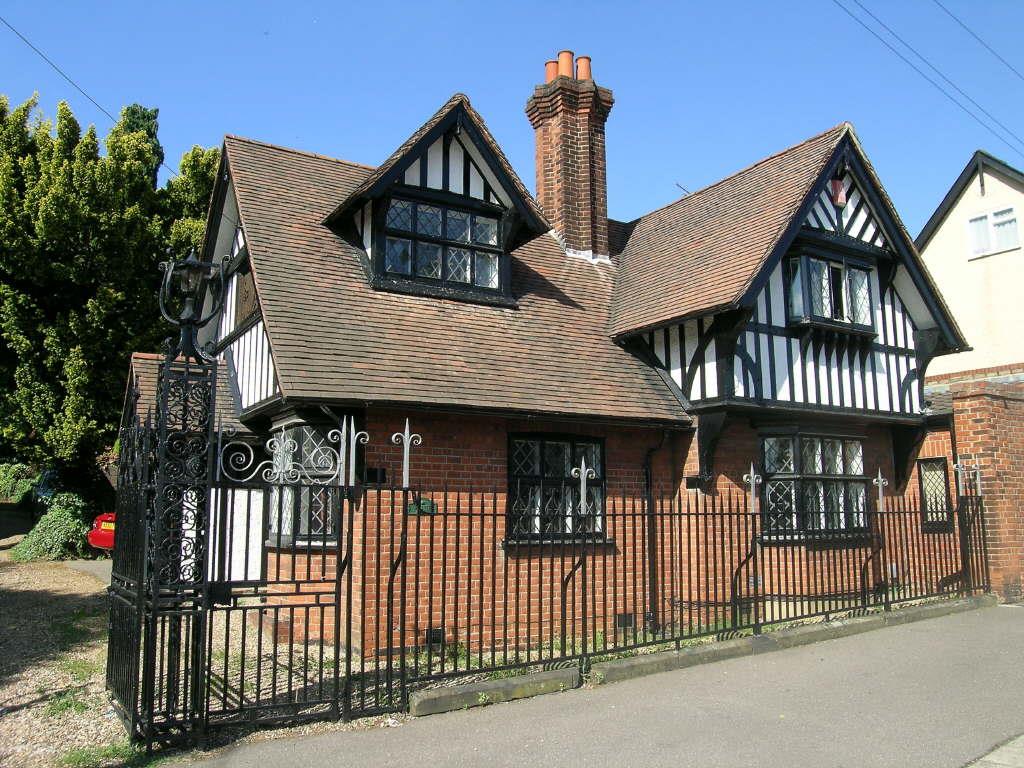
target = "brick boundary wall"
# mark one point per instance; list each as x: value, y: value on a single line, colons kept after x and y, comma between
x: 988, y: 421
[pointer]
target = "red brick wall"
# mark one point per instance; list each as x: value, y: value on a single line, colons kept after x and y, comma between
x: 989, y: 426
x: 459, y: 574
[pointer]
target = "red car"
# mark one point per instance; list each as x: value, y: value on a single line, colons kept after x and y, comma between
x: 101, y: 535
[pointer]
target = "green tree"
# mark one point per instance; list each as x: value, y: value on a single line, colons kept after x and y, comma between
x: 81, y: 233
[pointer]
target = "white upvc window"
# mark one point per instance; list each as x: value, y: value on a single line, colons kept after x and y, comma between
x: 993, y: 232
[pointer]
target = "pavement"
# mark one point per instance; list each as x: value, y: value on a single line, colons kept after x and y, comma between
x: 941, y: 692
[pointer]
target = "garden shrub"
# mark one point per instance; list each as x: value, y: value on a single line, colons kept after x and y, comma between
x: 16, y: 481
x: 60, y: 532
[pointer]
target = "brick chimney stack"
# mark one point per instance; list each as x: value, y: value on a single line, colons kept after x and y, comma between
x: 568, y: 113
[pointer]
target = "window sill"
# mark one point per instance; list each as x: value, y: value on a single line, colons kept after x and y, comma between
x: 819, y: 324
x: 552, y: 542
x: 858, y: 536
x: 938, y: 526
x: 288, y: 542
x: 408, y: 286
x: 979, y: 256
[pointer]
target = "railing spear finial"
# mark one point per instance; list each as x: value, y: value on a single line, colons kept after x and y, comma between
x: 583, y: 473
x: 752, y: 479
x: 880, y: 482
x: 406, y: 439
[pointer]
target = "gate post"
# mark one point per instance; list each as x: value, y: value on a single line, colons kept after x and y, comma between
x: 968, y: 507
x: 178, y: 524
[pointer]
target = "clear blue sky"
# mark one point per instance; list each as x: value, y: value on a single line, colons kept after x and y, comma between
x: 702, y: 88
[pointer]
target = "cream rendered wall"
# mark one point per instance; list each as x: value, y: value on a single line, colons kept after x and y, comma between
x: 984, y: 292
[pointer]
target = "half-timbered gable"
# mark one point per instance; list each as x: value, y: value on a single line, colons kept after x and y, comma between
x: 441, y: 216
x: 838, y: 317
x: 239, y: 337
x: 841, y: 208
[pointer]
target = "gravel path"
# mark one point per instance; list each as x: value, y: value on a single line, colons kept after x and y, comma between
x: 53, y: 628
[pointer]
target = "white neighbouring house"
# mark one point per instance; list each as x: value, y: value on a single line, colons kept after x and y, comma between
x: 972, y: 247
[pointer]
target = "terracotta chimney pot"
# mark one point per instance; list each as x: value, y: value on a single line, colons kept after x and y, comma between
x: 550, y: 70
x: 583, y: 68
x: 565, y: 64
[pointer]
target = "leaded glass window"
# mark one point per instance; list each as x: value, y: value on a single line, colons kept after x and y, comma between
x: 304, y: 499
x: 934, y: 484
x: 813, y: 484
x: 398, y: 256
x: 400, y: 215
x: 442, y: 245
x: 860, y: 297
x: 428, y: 220
x: 457, y: 267
x: 428, y: 260
x: 838, y: 291
x: 485, y: 230
x: 487, y: 270
x: 544, y: 497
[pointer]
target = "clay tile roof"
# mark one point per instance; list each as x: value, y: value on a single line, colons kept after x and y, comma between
x: 335, y: 338
x: 144, y: 370
x: 702, y: 251
x: 457, y: 100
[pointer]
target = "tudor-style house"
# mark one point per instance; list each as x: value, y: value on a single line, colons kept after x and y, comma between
x: 780, y: 317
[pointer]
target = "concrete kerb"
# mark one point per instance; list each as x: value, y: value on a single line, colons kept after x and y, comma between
x: 436, y: 700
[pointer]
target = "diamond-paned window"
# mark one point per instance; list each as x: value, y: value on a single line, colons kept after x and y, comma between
x: 860, y: 297
x: 826, y: 492
x: 544, y: 497
x: 457, y: 226
x: 304, y: 496
x: 934, y: 487
x: 400, y: 215
x: 440, y: 245
x: 398, y: 256
x: 428, y: 260
x: 486, y: 274
x: 428, y: 220
x: 485, y: 230
x: 457, y: 265
x: 838, y: 291
x: 778, y: 454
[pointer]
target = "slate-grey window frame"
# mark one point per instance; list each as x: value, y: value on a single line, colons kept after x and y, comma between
x: 446, y: 244
x: 517, y: 482
x: 855, y: 522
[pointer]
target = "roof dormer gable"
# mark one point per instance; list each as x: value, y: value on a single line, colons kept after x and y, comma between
x: 442, y: 215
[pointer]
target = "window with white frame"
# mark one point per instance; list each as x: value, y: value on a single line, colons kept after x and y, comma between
x: 544, y: 497
x: 993, y: 232
x: 441, y: 245
x: 829, y: 290
x: 813, y: 483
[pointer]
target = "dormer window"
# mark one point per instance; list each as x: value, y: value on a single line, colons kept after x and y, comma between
x: 442, y: 245
x: 829, y: 291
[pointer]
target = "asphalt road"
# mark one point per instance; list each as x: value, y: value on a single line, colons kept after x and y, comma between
x: 941, y: 692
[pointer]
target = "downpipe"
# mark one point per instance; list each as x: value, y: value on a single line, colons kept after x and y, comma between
x: 650, y: 615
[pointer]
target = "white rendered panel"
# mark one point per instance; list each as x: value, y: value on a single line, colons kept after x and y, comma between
x: 456, y: 157
x: 435, y: 164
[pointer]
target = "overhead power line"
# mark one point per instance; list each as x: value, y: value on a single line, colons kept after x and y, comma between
x: 977, y: 37
x: 937, y: 71
x: 67, y: 77
x: 923, y: 74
